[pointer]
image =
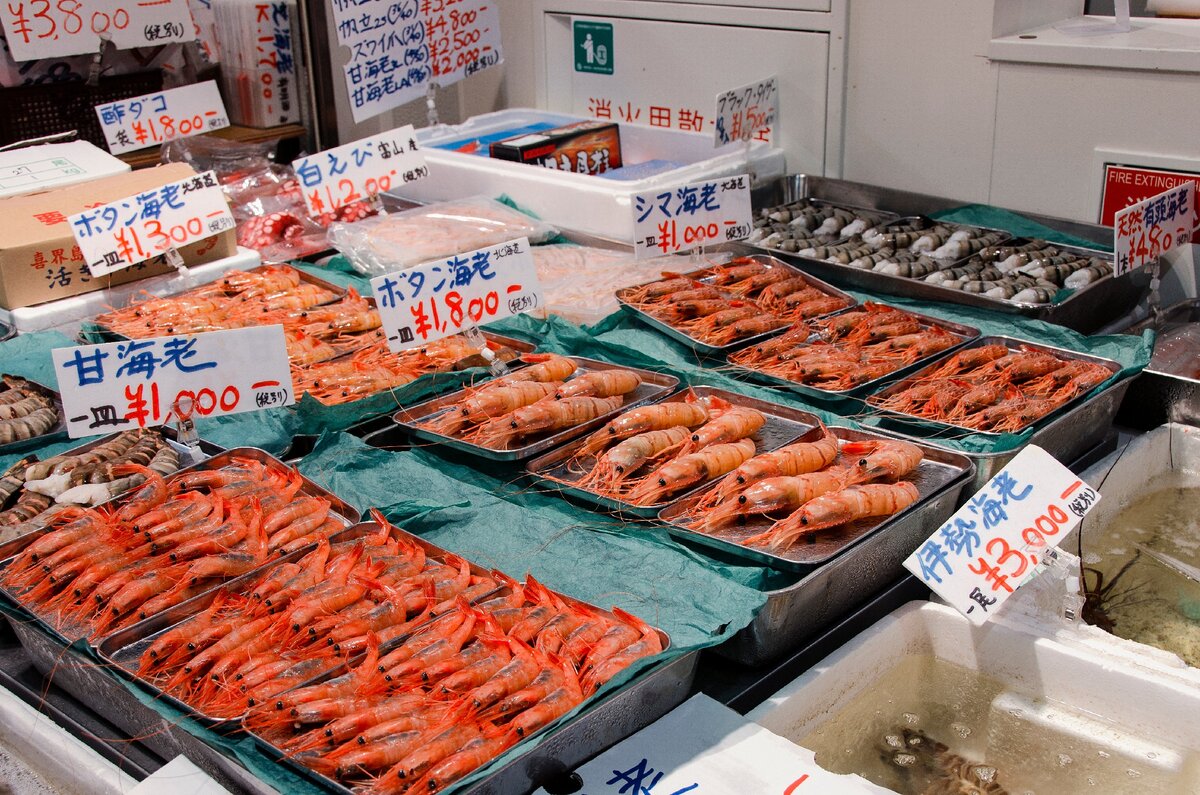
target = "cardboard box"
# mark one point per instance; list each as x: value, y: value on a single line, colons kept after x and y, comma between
x: 586, y: 147
x: 39, y: 260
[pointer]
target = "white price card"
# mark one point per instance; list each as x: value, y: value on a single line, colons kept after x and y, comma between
x: 443, y: 297
x: 361, y: 170
x: 698, y: 214
x: 705, y: 748
x: 1145, y: 231
x: 748, y: 112
x: 463, y: 37
x: 38, y: 29
x: 141, y: 383
x: 994, y: 543
x: 131, y: 230
x: 153, y: 119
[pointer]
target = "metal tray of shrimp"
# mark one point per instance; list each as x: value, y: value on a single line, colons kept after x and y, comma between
x: 71, y: 632
x: 654, y: 385
x: 553, y: 471
x: 56, y: 431
x: 945, y: 427
x: 964, y: 333
x: 940, y: 470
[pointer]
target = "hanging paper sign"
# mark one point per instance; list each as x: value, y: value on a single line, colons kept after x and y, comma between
x: 361, y: 170
x: 698, y: 214
x: 747, y: 113
x: 1145, y: 231
x: 463, y: 36
x: 153, y: 119
x: 38, y: 29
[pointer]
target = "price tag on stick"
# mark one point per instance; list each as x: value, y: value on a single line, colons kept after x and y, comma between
x: 38, y: 29
x: 152, y: 119
x: 361, y: 170
x: 747, y: 113
x: 443, y: 297
x: 993, y: 544
x: 137, y: 384
x: 698, y: 214
x: 1145, y: 231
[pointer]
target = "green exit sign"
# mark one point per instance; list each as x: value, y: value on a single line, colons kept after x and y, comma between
x: 594, y: 47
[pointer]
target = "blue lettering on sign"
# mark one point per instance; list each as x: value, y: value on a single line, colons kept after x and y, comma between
x: 641, y: 779
x: 88, y: 369
x: 930, y: 556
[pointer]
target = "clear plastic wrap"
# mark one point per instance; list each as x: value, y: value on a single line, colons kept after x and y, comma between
x: 579, y: 282
x: 1178, y: 351
x: 389, y: 243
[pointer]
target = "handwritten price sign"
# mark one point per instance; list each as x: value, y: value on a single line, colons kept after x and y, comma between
x: 361, y: 170
x: 463, y: 37
x: 1145, y: 231
x: 151, y: 119
x: 51, y: 28
x: 748, y: 112
x: 139, y: 383
x: 128, y: 231
x: 704, y: 213
x: 992, y: 545
x: 441, y: 298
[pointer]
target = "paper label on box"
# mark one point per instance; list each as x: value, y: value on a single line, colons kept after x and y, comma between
x: 131, y: 230
x: 698, y: 214
x: 1145, y: 231
x: 361, y: 170
x: 38, y: 29
x: 153, y: 119
x: 993, y: 544
x: 748, y: 112
x: 142, y: 383
x: 441, y: 298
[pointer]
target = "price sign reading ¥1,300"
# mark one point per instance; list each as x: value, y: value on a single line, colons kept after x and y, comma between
x: 52, y: 28
x: 1145, y: 231
x: 703, y: 213
x: 748, y: 113
x: 128, y: 231
x: 360, y: 170
x: 993, y: 544
x: 149, y: 120
x: 141, y: 383
x: 441, y: 298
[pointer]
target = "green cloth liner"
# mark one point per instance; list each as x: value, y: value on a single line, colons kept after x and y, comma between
x: 1017, y: 224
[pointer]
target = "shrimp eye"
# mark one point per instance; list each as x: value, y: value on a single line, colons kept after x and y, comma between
x: 695, y: 437
x: 513, y: 424
x: 803, y: 520
x: 662, y: 482
x: 862, y: 462
x: 742, y: 499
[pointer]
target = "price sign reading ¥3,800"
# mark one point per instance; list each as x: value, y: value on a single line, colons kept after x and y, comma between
x: 1145, y: 231
x: 748, y: 113
x: 128, y: 231
x: 140, y: 383
x: 993, y: 544
x: 149, y: 120
x: 703, y: 213
x: 441, y: 298
x: 51, y: 28
x: 360, y: 170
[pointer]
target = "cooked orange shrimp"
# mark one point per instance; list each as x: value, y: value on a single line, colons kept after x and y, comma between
x: 543, y: 416
x: 626, y: 457
x: 785, y: 493
x: 836, y: 508
x: 881, y: 459
x: 690, y: 469
x: 488, y: 404
x: 797, y: 458
x: 602, y: 383
x: 732, y: 424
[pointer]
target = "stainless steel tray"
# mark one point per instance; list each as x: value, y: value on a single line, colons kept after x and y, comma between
x: 57, y: 431
x: 1158, y: 395
x: 654, y: 385
x: 1012, y: 343
x: 965, y: 334
x: 940, y: 470
x: 784, y: 425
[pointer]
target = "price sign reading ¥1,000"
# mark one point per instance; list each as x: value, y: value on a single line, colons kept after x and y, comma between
x: 152, y: 119
x: 128, y: 231
x: 137, y: 384
x: 441, y: 298
x: 1145, y: 231
x: 361, y: 170
x: 53, y: 28
x: 748, y: 113
x: 699, y: 214
x: 994, y: 543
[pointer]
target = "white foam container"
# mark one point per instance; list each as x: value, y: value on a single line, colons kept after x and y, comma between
x: 581, y: 202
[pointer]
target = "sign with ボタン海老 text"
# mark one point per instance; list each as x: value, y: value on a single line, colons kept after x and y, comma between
x: 992, y: 544
x: 441, y: 298
x: 747, y: 113
x: 1145, y: 231
x: 699, y: 214
x: 131, y: 230
x: 152, y: 119
x: 141, y: 383
x: 361, y: 170
x: 36, y: 29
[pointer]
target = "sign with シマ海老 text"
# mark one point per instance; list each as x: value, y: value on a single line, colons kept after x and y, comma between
x: 360, y: 170
x: 36, y: 29
x: 1145, y: 231
x: 749, y: 112
x: 117, y: 386
x: 131, y: 230
x: 153, y: 119
x: 993, y: 543
x: 698, y: 214
x: 443, y: 297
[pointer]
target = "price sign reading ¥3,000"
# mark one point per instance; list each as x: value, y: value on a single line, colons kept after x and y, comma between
x: 703, y: 213
x: 748, y: 113
x: 52, y: 28
x: 128, y: 231
x: 139, y: 383
x: 993, y: 544
x: 360, y: 170
x: 441, y: 298
x: 149, y: 120
x: 1145, y: 231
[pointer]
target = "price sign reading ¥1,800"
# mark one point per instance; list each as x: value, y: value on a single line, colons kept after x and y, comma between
x: 1145, y: 231
x: 441, y: 298
x: 128, y: 231
x: 52, y: 28
x: 149, y: 120
x: 699, y: 214
x: 993, y: 544
x: 361, y: 170
x: 748, y: 113
x: 141, y: 383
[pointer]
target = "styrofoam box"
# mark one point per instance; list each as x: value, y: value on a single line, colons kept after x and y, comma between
x: 582, y: 202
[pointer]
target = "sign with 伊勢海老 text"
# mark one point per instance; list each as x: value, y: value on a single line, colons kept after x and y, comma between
x: 141, y: 383
x: 360, y: 171
x: 699, y: 214
x: 748, y: 112
x: 152, y: 119
x: 36, y: 29
x: 1145, y: 231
